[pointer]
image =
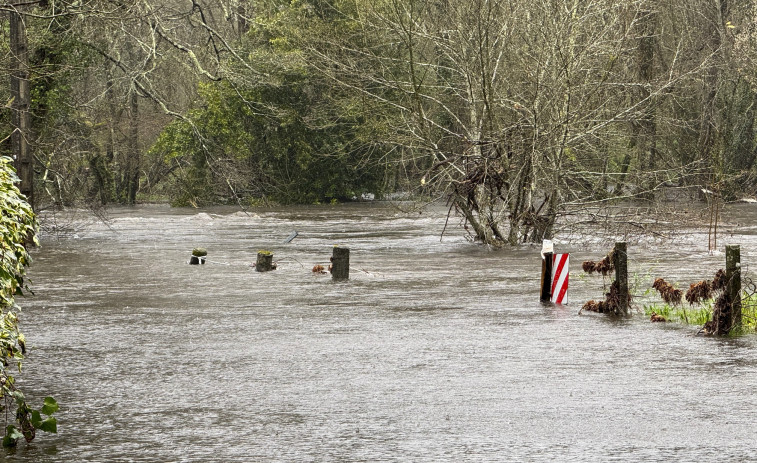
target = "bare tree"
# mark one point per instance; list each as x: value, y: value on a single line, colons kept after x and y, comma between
x: 517, y: 106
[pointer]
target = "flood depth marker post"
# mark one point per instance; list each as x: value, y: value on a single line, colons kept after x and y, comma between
x: 340, y: 264
x: 733, y: 288
x: 620, y: 256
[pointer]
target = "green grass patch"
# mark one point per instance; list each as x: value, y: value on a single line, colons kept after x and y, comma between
x: 690, y: 315
x: 702, y: 313
x: 749, y: 313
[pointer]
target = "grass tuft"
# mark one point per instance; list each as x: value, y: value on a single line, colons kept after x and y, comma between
x: 699, y: 315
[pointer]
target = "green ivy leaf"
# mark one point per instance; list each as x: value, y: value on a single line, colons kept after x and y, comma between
x: 36, y: 419
x: 12, y: 435
x: 49, y: 425
x: 19, y: 398
x: 50, y: 406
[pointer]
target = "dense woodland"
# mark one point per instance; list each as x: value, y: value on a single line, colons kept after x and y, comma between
x: 515, y: 112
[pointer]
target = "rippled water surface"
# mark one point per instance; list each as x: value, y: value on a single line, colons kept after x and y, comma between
x: 432, y: 351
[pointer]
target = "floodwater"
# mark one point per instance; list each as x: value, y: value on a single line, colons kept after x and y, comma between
x: 434, y: 350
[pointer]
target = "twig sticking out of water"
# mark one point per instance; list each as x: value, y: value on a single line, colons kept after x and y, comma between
x: 284, y: 259
x: 369, y: 273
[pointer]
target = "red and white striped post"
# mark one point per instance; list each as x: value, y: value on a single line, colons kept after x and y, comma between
x: 560, y: 277
x: 555, y: 273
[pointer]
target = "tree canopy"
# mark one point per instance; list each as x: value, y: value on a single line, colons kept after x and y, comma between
x: 516, y: 113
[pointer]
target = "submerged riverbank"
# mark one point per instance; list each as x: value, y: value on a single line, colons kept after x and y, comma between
x: 434, y: 350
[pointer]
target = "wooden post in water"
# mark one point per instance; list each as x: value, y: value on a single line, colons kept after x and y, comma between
x: 546, y: 277
x: 196, y: 260
x: 264, y: 262
x: 340, y: 264
x: 620, y: 256
x: 733, y: 279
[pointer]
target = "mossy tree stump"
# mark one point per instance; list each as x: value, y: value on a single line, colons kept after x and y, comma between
x: 264, y: 262
x: 340, y: 264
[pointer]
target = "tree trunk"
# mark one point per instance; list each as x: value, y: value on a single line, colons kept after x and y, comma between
x: 711, y: 81
x: 478, y: 230
x: 645, y: 129
x: 111, y: 146
x: 133, y: 163
x: 20, y: 95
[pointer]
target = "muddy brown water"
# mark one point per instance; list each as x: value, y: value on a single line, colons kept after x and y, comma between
x: 433, y: 351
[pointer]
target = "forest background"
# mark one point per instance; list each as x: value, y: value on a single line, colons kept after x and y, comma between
x: 517, y: 113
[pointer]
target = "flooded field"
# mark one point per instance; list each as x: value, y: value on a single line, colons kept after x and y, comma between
x: 434, y: 350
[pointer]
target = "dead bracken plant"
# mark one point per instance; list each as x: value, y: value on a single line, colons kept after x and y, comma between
x: 595, y: 306
x: 721, y: 316
x: 604, y: 266
x: 611, y: 304
x: 613, y: 298
x: 719, y: 282
x: 721, y: 320
x: 668, y: 293
x: 699, y: 292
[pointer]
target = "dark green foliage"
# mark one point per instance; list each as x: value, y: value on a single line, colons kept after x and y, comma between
x: 290, y: 134
x: 17, y: 230
x: 267, y: 142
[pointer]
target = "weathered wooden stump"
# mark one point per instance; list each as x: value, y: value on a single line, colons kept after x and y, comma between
x: 264, y: 262
x: 340, y: 264
x: 620, y: 257
x: 546, y: 277
x: 733, y: 279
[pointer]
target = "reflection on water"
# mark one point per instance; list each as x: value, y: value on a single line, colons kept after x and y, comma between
x: 433, y: 351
